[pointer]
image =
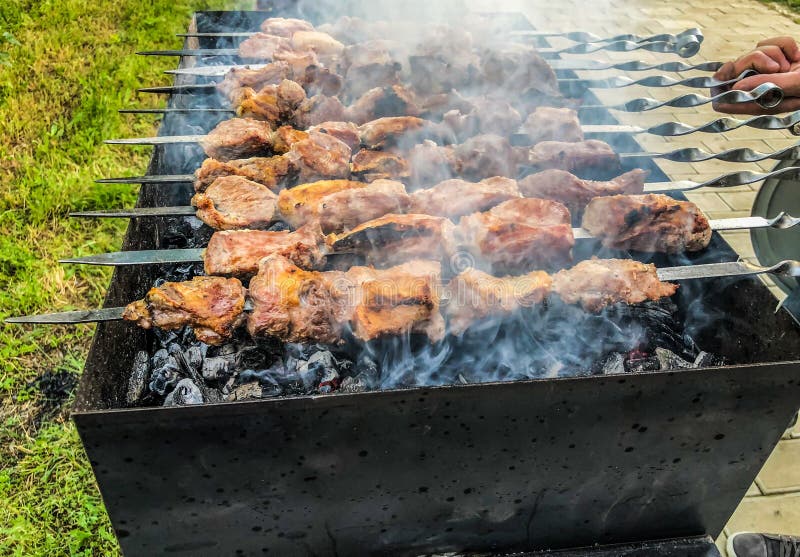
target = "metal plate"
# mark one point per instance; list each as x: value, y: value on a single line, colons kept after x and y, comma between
x: 771, y: 246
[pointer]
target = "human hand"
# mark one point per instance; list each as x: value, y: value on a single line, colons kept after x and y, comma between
x: 778, y: 61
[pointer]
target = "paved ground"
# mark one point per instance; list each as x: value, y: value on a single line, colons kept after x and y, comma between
x: 730, y: 27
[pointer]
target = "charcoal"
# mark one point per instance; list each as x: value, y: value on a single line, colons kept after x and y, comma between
x: 184, y: 393
x: 319, y: 365
x: 140, y: 375
x: 279, y: 226
x: 706, y: 359
x: 329, y: 381
x: 461, y: 380
x: 219, y: 368
x: 353, y: 385
x: 367, y: 368
x: 247, y: 391
x: 670, y: 360
x: 194, y: 356
x: 166, y: 372
x: 638, y: 365
x: 613, y: 363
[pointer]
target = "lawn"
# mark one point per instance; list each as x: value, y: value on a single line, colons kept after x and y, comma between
x: 65, y: 69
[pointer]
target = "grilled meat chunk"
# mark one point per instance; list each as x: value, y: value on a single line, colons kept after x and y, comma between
x: 484, y: 156
x: 370, y: 165
x: 346, y: 132
x: 213, y: 306
x: 575, y: 193
x: 273, y: 172
x: 474, y: 295
x: 300, y: 205
x: 381, y: 102
x: 597, y: 283
x: 484, y: 116
x: 239, y: 138
x: 652, y: 222
x: 403, y: 131
x: 233, y: 202
x: 276, y: 104
x: 296, y: 305
x: 240, y: 78
x: 547, y: 123
x: 431, y: 163
x: 320, y: 156
x: 393, y: 239
x: 320, y: 109
x: 587, y: 154
x: 284, y: 27
x: 397, y: 301
x: 519, y: 69
x: 262, y: 46
x: 317, y: 42
x: 518, y: 235
x: 237, y: 252
x: 346, y: 209
x: 456, y: 198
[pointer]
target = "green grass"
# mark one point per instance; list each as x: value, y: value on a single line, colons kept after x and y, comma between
x: 65, y: 69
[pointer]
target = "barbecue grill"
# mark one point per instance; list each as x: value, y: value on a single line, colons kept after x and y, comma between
x: 559, y: 462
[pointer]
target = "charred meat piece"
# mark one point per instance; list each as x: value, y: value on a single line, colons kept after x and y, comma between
x: 553, y: 124
x: 213, y: 306
x: 474, y: 295
x: 597, y: 283
x: 346, y: 132
x: 272, y: 172
x: 320, y: 156
x: 373, y: 63
x: 284, y: 27
x: 371, y: 165
x: 240, y: 78
x: 590, y: 154
x: 397, y: 301
x: 518, y: 235
x: 653, y: 223
x: 295, y: 305
x: 402, y: 131
x: 233, y: 202
x: 237, y: 252
x: 239, y: 138
x: 300, y: 205
x: 276, y: 104
x: 382, y: 102
x: 575, y: 193
x: 484, y: 156
x: 393, y: 239
x: 431, y: 163
x: 456, y: 198
x: 317, y: 42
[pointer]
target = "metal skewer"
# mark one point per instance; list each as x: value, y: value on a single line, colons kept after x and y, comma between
x: 688, y: 46
x: 789, y: 122
x: 786, y: 268
x: 195, y: 255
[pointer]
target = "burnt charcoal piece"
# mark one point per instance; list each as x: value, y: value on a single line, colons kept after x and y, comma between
x: 184, y: 393
x: 220, y: 368
x: 613, y: 363
x: 194, y: 356
x: 165, y: 374
x: 320, y: 368
x: 140, y: 375
x: 705, y: 359
x: 640, y: 364
x: 246, y: 391
x: 669, y: 360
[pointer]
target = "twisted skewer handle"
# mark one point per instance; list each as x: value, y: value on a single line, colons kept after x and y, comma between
x: 683, y: 47
x: 743, y: 154
x: 789, y: 122
x: 586, y: 37
x: 702, y: 82
x: 767, y: 95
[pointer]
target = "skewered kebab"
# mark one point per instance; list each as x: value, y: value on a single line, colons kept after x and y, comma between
x: 537, y: 231
x: 234, y: 202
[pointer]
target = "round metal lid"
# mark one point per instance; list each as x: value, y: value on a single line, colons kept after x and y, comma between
x: 770, y: 245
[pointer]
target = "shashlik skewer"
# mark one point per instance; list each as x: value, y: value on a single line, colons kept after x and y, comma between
x: 246, y: 137
x: 511, y: 235
x: 469, y: 296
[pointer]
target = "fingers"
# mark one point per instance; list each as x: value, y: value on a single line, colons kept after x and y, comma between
x: 789, y: 82
x: 761, y: 61
x: 789, y: 104
x: 787, y: 44
x: 725, y: 73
